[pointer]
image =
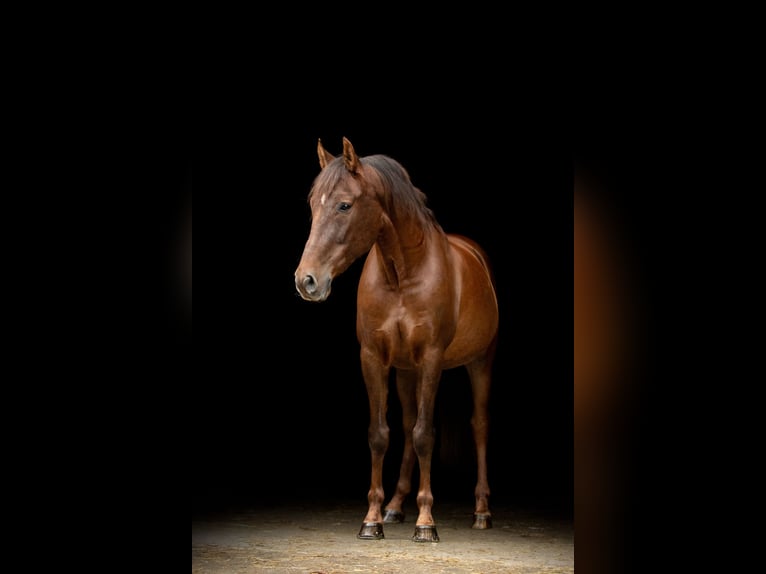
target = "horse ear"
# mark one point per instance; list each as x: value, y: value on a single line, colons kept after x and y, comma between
x: 325, y: 157
x: 349, y: 156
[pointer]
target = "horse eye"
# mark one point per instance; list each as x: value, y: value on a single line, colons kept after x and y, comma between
x: 343, y: 206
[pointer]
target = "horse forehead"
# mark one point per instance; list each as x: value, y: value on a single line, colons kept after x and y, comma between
x: 344, y: 188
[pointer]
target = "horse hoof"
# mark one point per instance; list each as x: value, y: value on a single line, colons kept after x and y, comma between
x: 482, y: 521
x: 371, y: 531
x: 393, y: 516
x: 425, y: 534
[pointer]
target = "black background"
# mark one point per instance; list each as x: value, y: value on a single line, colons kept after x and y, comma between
x: 273, y: 388
x: 276, y: 401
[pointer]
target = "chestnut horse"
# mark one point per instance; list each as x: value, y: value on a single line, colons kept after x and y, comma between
x: 426, y: 302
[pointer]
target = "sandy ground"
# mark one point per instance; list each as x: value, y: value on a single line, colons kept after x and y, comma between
x: 320, y: 538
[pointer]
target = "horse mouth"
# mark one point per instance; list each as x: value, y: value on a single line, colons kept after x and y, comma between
x: 312, y: 290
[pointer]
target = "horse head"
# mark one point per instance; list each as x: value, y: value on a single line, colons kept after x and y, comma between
x: 346, y: 218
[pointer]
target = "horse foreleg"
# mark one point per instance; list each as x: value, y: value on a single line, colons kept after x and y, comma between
x: 423, y: 438
x: 405, y: 386
x: 376, y: 381
x: 480, y: 375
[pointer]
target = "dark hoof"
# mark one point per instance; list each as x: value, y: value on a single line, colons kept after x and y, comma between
x: 425, y: 534
x: 393, y: 516
x: 482, y: 521
x: 371, y: 531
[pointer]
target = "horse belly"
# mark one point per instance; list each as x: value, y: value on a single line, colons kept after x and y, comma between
x: 475, y: 334
x: 477, y: 312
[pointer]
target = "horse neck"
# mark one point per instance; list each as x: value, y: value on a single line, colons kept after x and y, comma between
x: 403, y: 244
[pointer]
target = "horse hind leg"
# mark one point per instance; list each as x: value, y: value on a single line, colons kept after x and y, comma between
x: 480, y: 375
x: 405, y: 386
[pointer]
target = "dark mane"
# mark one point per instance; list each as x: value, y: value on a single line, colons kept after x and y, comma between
x: 397, y: 186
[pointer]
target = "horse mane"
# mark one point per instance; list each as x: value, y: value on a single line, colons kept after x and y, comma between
x: 398, y: 189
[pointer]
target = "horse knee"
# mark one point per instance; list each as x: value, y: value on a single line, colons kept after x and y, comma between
x: 423, y: 440
x: 377, y: 438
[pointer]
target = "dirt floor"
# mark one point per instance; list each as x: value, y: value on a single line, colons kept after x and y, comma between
x: 320, y: 538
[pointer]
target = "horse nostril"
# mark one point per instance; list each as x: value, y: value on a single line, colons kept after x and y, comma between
x: 309, y: 284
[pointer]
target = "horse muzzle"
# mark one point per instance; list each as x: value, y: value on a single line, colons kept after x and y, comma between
x: 311, y: 289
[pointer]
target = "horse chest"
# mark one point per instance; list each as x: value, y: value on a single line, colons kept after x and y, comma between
x: 395, y: 331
